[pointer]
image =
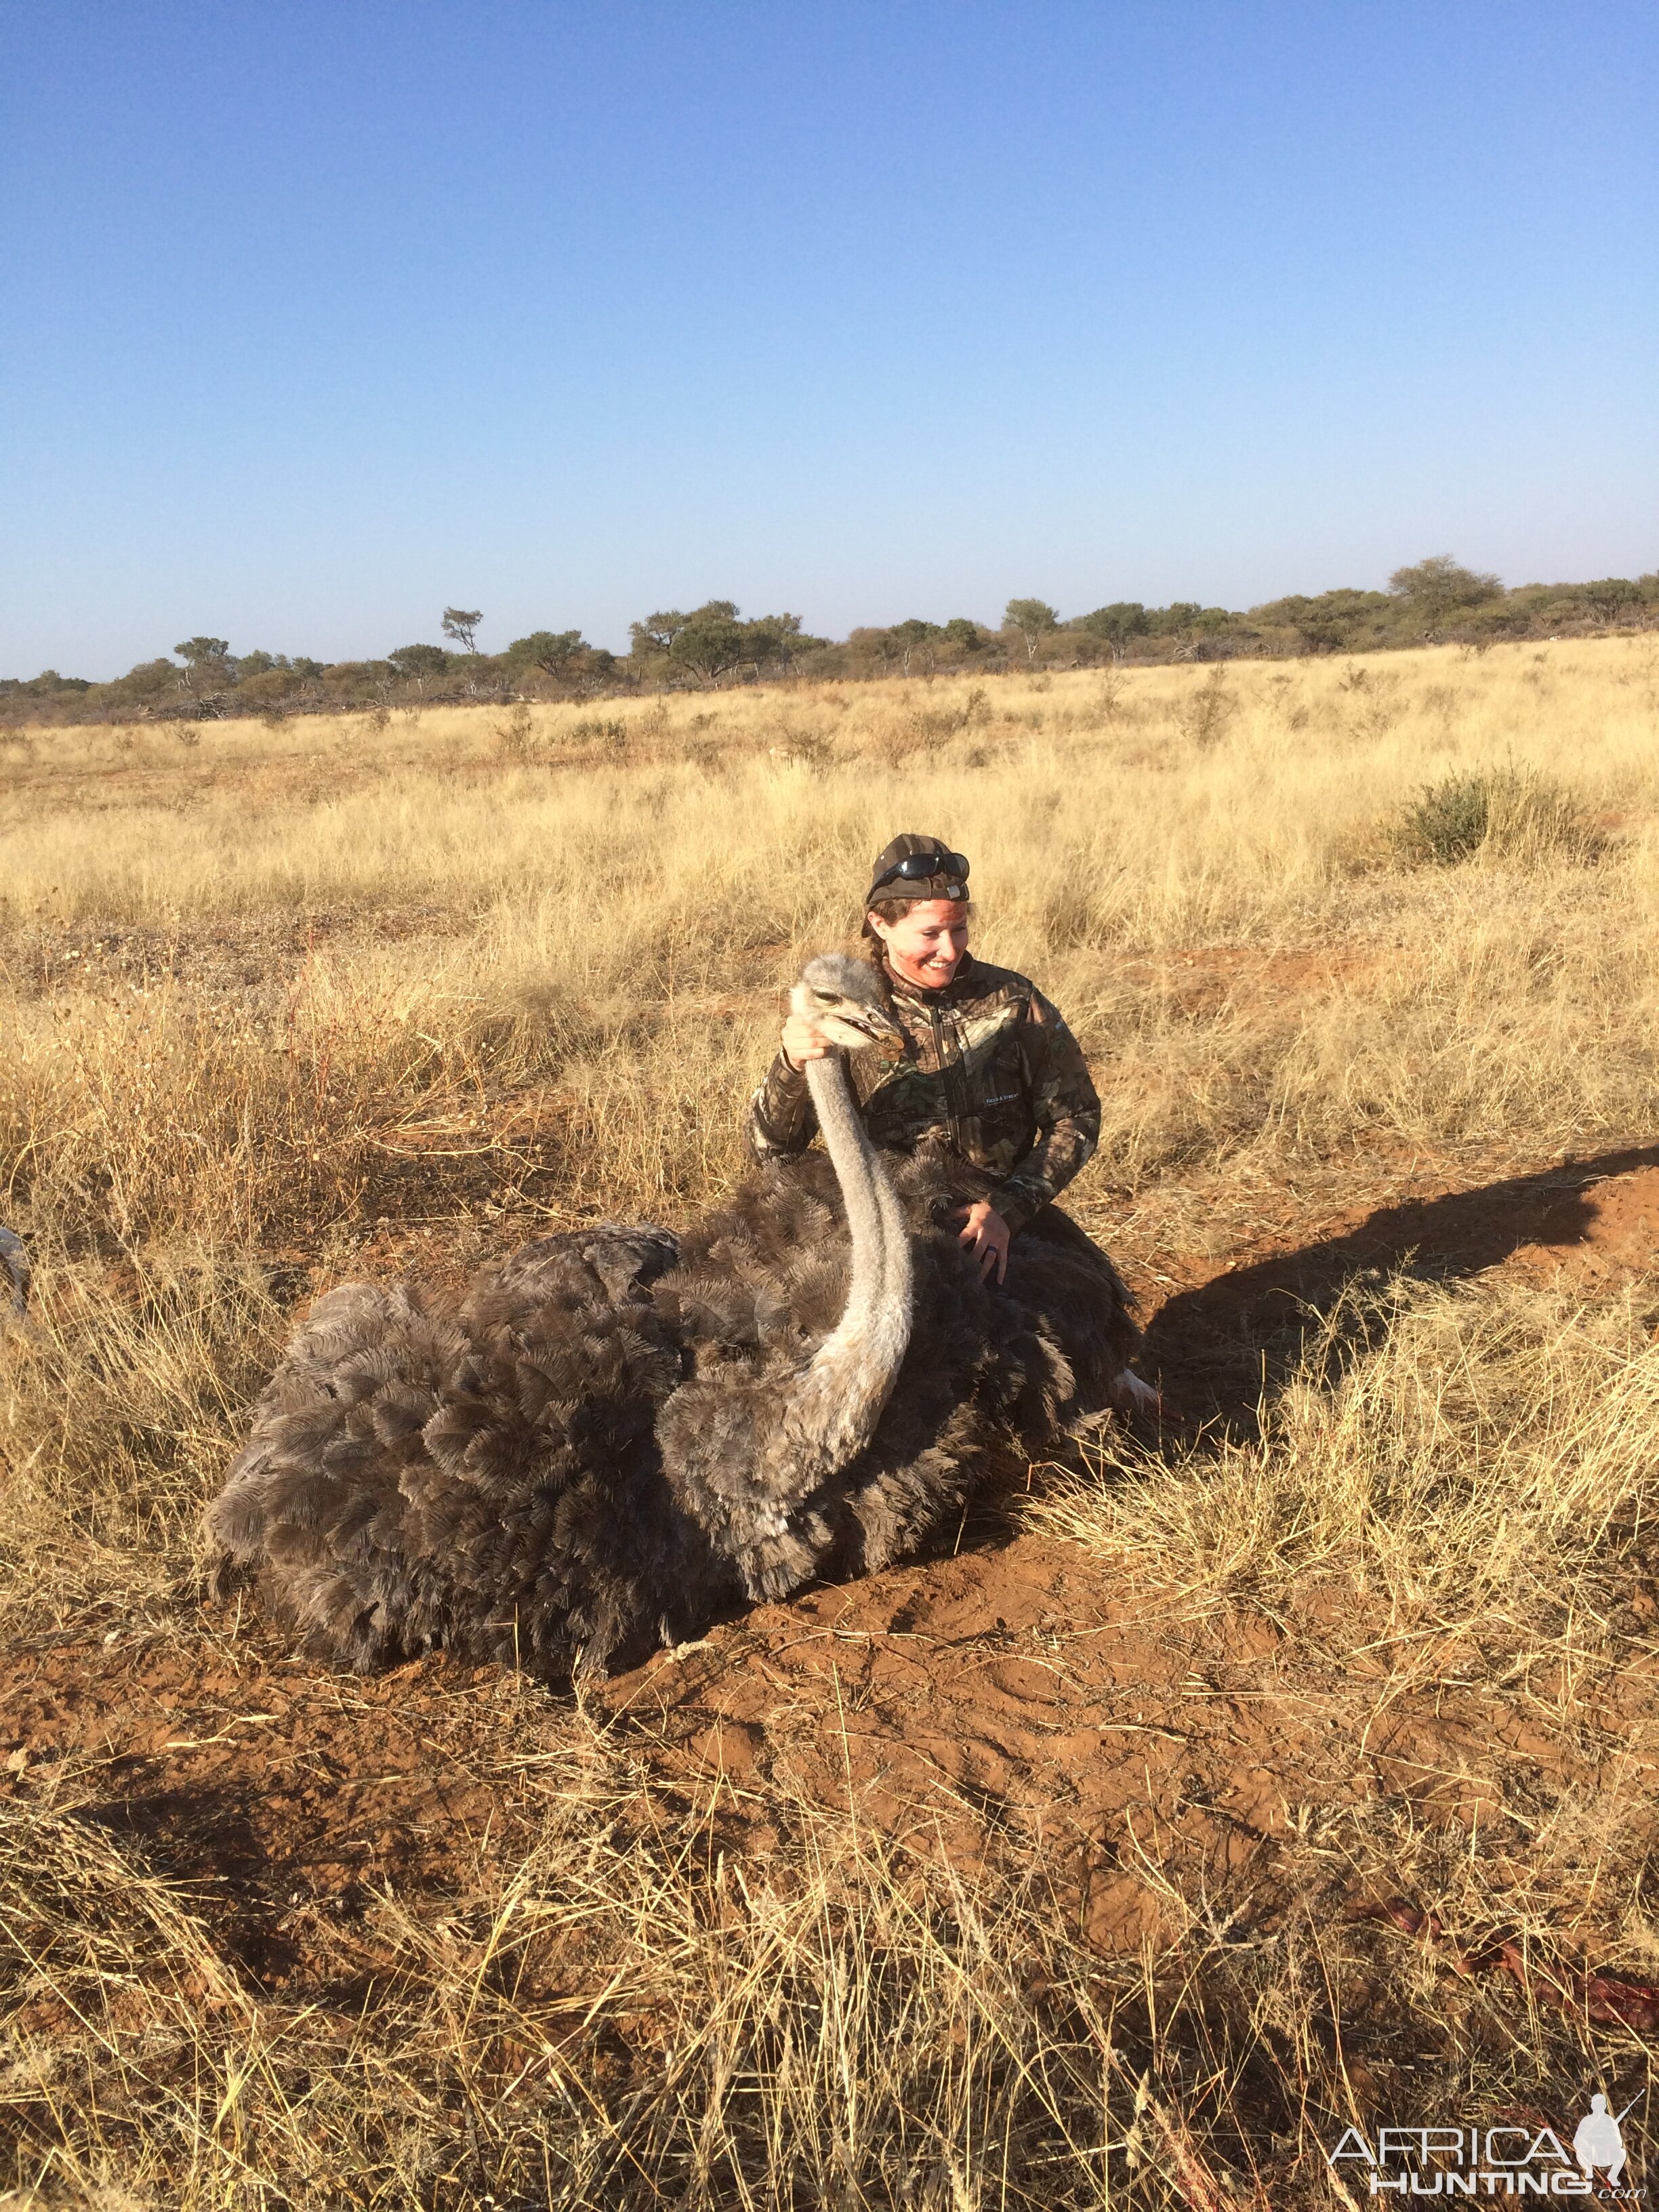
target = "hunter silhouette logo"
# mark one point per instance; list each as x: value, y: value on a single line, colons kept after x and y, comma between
x: 1502, y: 2161
x: 1597, y: 2141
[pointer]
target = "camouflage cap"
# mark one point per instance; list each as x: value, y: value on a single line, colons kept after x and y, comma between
x: 948, y: 881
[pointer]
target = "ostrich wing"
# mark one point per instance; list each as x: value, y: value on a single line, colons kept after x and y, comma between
x: 622, y: 1258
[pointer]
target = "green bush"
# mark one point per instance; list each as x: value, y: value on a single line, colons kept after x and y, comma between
x: 1500, y: 813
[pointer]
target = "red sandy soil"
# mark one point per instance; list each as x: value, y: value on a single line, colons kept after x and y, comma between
x: 1006, y: 1699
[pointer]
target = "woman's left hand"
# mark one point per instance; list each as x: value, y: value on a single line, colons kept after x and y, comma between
x: 987, y: 1235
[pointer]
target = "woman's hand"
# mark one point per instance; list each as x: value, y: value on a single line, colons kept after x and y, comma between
x: 987, y: 1235
x: 802, y: 1042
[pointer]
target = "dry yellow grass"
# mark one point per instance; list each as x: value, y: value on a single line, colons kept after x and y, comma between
x: 272, y: 995
x: 629, y: 915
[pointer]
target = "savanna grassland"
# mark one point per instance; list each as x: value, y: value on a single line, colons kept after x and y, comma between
x: 1288, y: 1769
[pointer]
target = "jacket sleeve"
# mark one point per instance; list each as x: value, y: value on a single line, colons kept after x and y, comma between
x: 783, y: 1120
x: 1067, y: 1107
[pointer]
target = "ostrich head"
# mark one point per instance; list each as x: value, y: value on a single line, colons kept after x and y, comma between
x: 842, y: 997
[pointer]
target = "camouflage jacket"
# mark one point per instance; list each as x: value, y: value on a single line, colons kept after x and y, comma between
x: 989, y: 1067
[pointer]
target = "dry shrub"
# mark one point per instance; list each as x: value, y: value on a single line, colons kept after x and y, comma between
x: 921, y: 729
x: 515, y: 735
x: 1207, y: 714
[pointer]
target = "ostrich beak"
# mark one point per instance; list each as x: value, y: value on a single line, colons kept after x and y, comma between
x: 882, y: 1032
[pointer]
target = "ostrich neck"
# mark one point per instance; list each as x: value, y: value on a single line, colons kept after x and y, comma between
x: 853, y: 1159
x: 837, y: 1400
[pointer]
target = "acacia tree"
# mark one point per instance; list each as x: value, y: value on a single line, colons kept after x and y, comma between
x: 1033, y: 619
x: 712, y: 640
x: 1439, y: 585
x: 1326, y: 621
x: 1116, y: 623
x: 207, y: 664
x: 916, y: 640
x: 771, y: 637
x: 461, y: 624
x: 553, y: 651
x: 1608, y: 596
x: 657, y: 633
x: 417, y: 663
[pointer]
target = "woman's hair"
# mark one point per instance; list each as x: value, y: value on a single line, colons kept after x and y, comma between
x: 889, y: 910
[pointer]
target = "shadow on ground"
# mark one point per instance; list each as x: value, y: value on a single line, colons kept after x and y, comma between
x: 1219, y: 1347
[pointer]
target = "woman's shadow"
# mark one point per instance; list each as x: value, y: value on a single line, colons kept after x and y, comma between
x: 1218, y: 1348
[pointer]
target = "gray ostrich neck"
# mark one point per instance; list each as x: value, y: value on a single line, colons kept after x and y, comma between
x: 834, y: 1406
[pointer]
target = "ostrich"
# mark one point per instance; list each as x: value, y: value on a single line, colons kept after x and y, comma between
x: 615, y: 1437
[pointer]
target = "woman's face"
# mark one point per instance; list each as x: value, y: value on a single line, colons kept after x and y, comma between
x: 926, y: 943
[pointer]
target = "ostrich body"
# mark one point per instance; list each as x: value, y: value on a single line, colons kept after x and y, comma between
x: 613, y: 1437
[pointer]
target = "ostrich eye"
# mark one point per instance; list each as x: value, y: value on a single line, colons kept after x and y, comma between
x: 825, y: 998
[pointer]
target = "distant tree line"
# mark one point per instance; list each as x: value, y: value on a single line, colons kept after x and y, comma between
x: 1432, y: 601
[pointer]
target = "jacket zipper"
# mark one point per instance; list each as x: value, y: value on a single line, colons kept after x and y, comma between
x: 948, y: 1073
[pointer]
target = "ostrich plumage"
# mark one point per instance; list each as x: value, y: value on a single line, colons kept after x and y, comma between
x: 615, y: 1437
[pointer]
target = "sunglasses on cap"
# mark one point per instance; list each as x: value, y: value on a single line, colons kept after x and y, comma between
x: 917, y: 867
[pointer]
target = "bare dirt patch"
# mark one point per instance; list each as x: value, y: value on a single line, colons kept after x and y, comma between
x: 1013, y: 1702
x: 1004, y: 1704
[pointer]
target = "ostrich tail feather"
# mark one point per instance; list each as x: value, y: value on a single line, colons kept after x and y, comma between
x: 482, y: 1477
x: 311, y: 1504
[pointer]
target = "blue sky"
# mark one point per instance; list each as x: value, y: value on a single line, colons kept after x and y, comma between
x: 317, y: 317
